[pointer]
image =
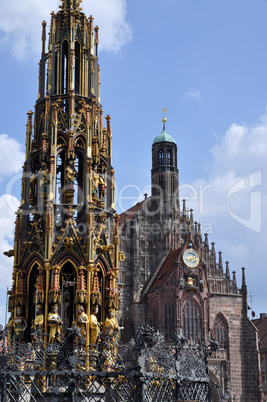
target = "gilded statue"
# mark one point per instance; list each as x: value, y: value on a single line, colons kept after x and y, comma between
x: 38, y: 323
x: 94, y: 325
x: 33, y: 189
x: 111, y: 327
x: 43, y: 174
x: 99, y: 186
x: 70, y: 174
x: 54, y: 322
x: 82, y: 321
x: 10, y: 327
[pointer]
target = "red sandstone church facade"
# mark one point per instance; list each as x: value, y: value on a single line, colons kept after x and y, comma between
x: 173, y: 281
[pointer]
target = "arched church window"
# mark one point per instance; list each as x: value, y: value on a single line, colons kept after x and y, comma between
x: 153, y: 314
x: 155, y: 318
x: 79, y: 179
x: 161, y: 157
x: 169, y: 319
x: 168, y: 156
x: 65, y: 66
x: 55, y: 73
x: 77, y: 66
x: 68, y: 282
x: 220, y: 331
x: 191, y: 320
x: 60, y: 177
x: 31, y: 299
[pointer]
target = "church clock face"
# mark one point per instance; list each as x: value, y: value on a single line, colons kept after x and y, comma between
x: 191, y: 258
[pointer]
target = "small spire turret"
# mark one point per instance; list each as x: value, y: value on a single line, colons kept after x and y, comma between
x: 220, y: 264
x: 234, y: 278
x: 199, y: 231
x: 244, y: 285
x: 184, y: 207
x: 244, y: 292
x: 227, y: 271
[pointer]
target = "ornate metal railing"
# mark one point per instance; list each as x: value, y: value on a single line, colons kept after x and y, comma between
x: 144, y: 370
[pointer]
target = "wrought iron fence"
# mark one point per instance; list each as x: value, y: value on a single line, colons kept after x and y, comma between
x: 145, y: 370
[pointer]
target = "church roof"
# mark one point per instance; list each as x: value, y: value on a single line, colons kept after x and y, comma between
x: 164, y: 137
x: 165, y: 269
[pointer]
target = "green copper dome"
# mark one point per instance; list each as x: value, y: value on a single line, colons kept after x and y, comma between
x: 164, y: 137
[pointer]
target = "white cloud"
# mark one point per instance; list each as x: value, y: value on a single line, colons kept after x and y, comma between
x: 11, y: 156
x: 7, y: 224
x: 242, y: 148
x: 232, y: 202
x: 196, y: 95
x: 110, y: 16
x: 21, y: 24
x: 236, y: 187
x: 7, y: 220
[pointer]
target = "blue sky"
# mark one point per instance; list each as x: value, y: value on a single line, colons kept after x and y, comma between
x: 206, y: 61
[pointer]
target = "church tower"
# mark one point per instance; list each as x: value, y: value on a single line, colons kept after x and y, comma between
x: 164, y: 175
x: 66, y: 234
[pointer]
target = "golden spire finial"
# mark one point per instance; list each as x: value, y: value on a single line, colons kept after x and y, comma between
x: 70, y: 4
x: 164, y: 118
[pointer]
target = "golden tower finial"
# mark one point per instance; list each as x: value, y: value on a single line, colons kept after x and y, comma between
x: 70, y: 4
x: 164, y: 118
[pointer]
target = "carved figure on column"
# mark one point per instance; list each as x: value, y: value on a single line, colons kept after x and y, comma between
x: 10, y: 327
x: 43, y: 179
x: 111, y: 327
x: 19, y: 324
x: 70, y: 175
x: 38, y: 323
x: 82, y: 321
x: 33, y: 189
x: 54, y: 322
x: 101, y: 188
x: 94, y: 325
x: 95, y: 183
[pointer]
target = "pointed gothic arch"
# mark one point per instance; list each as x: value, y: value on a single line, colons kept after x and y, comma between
x: 153, y: 313
x: 168, y: 158
x: 80, y: 140
x: 101, y: 272
x: 32, y: 277
x: 192, y: 320
x: 79, y: 181
x: 221, y: 331
x: 61, y: 139
x: 68, y: 278
x: 65, y: 67
x: 169, y: 319
x: 77, y: 67
x: 161, y: 157
x: 60, y: 168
